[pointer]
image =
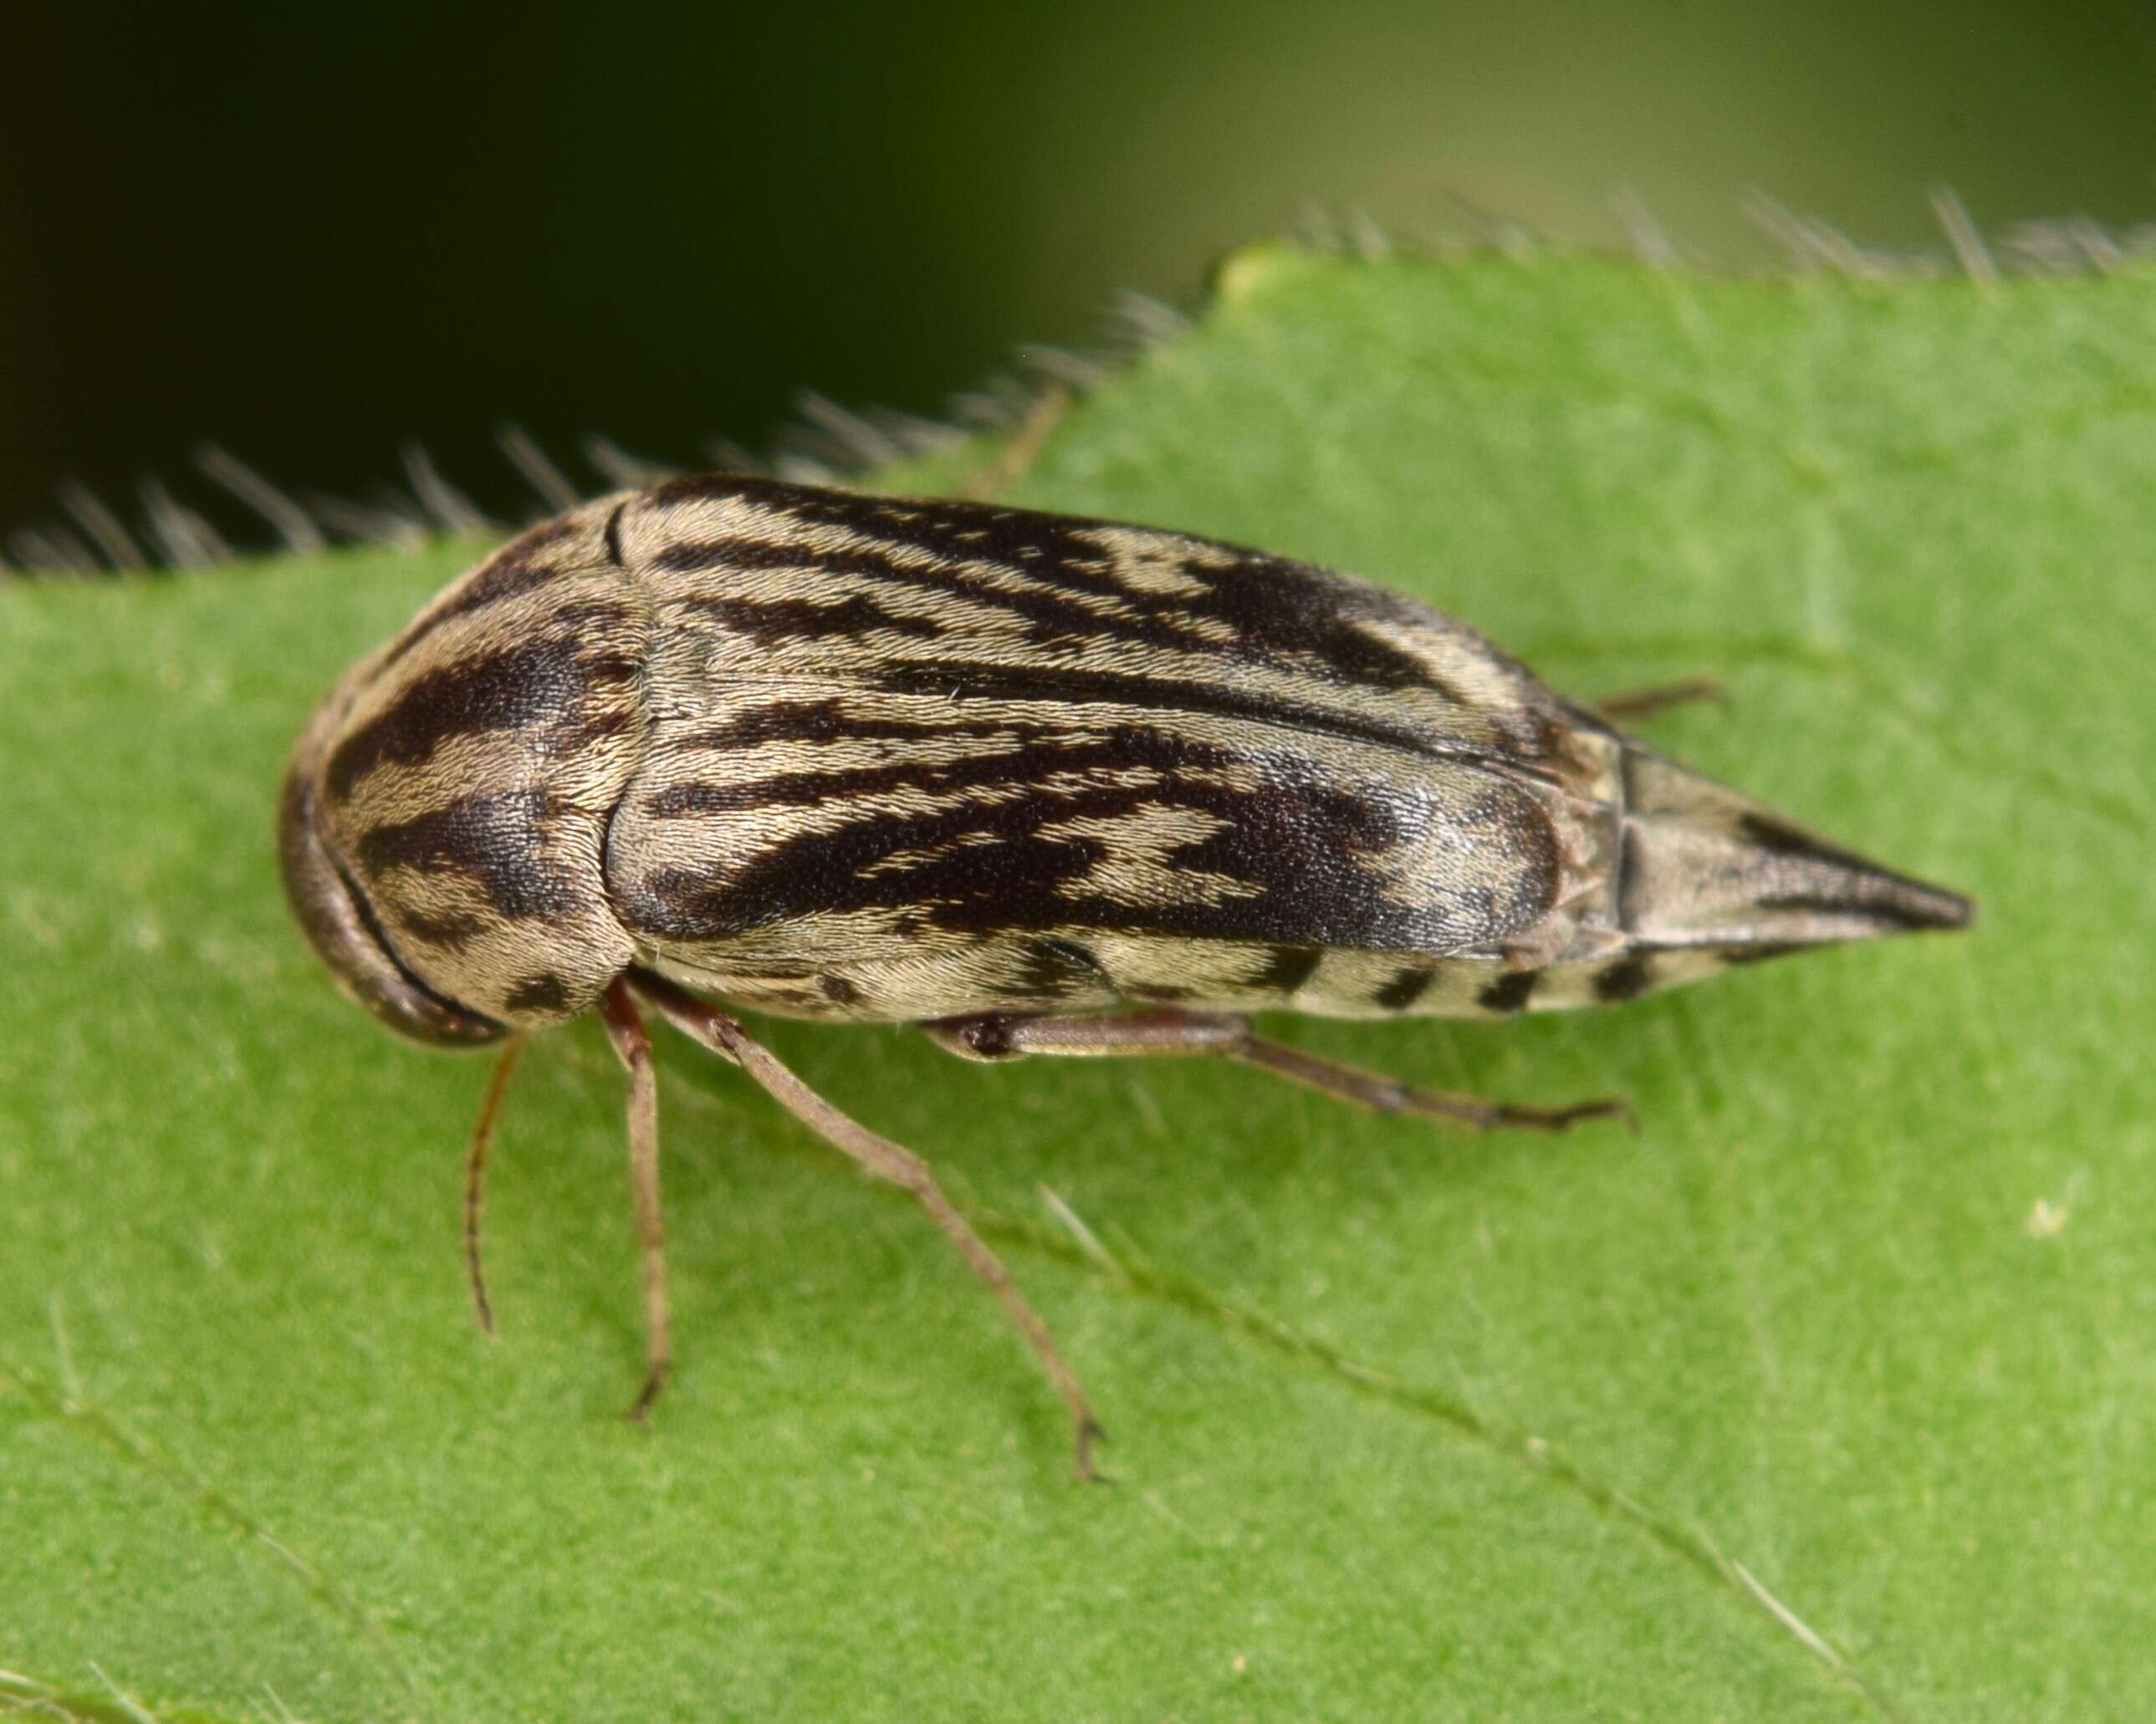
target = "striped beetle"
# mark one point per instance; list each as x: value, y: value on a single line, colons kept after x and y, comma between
x: 995, y: 773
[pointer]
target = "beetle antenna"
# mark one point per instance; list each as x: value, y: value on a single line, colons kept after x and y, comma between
x: 475, y: 1177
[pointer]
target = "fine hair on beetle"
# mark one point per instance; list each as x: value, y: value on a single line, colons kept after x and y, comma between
x: 1036, y: 784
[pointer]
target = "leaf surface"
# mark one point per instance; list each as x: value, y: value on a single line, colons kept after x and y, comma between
x: 1827, y: 1396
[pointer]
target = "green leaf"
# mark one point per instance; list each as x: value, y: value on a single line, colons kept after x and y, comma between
x: 1828, y: 1395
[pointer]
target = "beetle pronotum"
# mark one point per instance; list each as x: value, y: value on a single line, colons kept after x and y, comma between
x: 1038, y: 784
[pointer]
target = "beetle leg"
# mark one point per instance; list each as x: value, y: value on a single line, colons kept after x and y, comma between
x: 632, y: 1045
x: 1631, y: 705
x: 1225, y: 1035
x: 1022, y: 447
x: 722, y: 1034
x: 475, y: 1178
x: 1384, y: 1095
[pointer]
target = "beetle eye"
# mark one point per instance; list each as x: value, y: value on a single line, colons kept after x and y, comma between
x: 340, y: 927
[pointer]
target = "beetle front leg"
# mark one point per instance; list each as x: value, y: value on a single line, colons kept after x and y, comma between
x: 994, y: 1035
x: 475, y: 1179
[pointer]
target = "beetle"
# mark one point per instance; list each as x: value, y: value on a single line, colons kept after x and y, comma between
x: 1039, y: 784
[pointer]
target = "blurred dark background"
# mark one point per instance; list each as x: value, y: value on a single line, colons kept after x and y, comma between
x: 311, y: 233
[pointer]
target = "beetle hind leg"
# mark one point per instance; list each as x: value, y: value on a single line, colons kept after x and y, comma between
x: 1632, y: 705
x: 1226, y: 1035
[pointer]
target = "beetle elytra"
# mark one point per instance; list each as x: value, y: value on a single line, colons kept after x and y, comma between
x: 1040, y: 785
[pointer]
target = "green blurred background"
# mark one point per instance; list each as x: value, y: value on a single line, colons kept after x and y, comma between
x: 311, y: 233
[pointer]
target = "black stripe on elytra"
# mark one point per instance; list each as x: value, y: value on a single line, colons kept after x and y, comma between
x: 1509, y: 993
x: 989, y: 864
x: 1277, y: 611
x: 449, y: 932
x: 769, y: 621
x: 1053, y: 619
x: 1054, y: 969
x: 1049, y: 550
x: 1287, y: 967
x: 957, y: 681
x: 534, y: 681
x: 543, y: 992
x: 1021, y: 766
x: 497, y: 840
x: 831, y: 721
x: 525, y: 562
x: 1626, y: 979
x: 612, y: 536
x: 1404, y: 989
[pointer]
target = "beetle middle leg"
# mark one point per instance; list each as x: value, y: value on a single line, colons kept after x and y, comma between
x: 1225, y: 1035
x: 718, y: 1031
x: 632, y: 1045
x: 1022, y: 447
x: 625, y: 1030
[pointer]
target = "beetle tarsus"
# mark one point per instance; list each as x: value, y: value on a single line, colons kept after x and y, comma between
x: 1563, y: 1119
x: 1091, y: 1436
x: 1383, y: 1095
x: 654, y: 1385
